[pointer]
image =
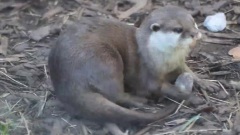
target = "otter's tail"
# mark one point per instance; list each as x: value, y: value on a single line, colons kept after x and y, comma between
x: 95, y: 106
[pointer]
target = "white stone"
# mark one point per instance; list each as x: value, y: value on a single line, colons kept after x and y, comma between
x: 216, y: 22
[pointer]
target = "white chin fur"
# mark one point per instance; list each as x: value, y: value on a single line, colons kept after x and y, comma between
x: 162, y: 52
x: 186, y: 42
x: 166, y: 41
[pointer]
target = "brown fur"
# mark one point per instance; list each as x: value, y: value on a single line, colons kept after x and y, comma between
x: 95, y: 62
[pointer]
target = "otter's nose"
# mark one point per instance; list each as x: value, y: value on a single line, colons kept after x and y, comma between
x: 196, y: 35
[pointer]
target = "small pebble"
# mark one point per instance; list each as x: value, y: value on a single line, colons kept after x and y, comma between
x: 222, y: 95
x: 195, y: 100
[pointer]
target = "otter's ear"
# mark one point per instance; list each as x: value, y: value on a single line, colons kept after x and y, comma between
x: 155, y: 27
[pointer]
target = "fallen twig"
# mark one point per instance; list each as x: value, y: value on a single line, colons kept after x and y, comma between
x: 223, y: 35
x: 220, y: 86
x: 144, y: 130
x: 28, y: 96
x: 4, y: 45
x: 219, y: 73
x: 179, y: 103
x: 68, y: 122
x: 219, y: 100
x: 236, y: 32
x: 205, y: 95
x: 190, y: 123
x: 26, y: 124
x: 114, y: 129
x: 43, y: 104
x: 178, y: 108
x: 45, y: 70
x: 221, y: 63
x: 189, y: 131
x: 218, y: 41
x: 13, y: 79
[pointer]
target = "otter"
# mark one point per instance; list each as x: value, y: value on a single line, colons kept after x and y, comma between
x: 100, y: 67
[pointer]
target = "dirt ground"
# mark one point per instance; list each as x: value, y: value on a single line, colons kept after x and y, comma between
x: 28, y: 28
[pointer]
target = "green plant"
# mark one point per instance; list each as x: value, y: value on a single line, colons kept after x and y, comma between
x: 4, y: 128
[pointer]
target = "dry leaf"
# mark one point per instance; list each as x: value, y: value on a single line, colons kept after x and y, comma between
x: 52, y: 12
x: 236, y: 127
x: 4, y: 5
x: 235, y: 84
x: 235, y: 52
x: 40, y: 33
x: 176, y: 122
x: 21, y: 47
x: 44, y: 31
x: 139, y: 4
x: 57, y: 127
x: 236, y: 9
x: 4, y: 95
x: 195, y: 4
x: 3, y: 45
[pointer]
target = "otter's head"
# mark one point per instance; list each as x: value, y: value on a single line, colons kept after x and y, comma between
x: 168, y: 28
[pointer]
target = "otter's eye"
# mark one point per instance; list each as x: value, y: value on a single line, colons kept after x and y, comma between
x: 155, y: 27
x: 178, y: 30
